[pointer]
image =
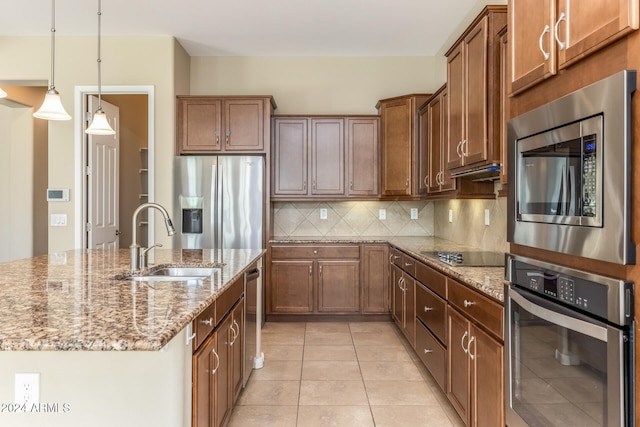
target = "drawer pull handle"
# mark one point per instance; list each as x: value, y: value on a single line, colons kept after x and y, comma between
x: 472, y: 356
x: 426, y: 309
x: 207, y: 322
x: 469, y: 303
x: 545, y: 54
x: 465, y: 349
x: 395, y: 257
x: 408, y: 264
x: 427, y: 351
x: 310, y: 270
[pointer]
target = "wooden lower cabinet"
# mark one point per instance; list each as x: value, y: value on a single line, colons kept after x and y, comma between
x: 475, y: 372
x: 217, y: 370
x: 403, y: 305
x: 432, y: 353
x: 328, y: 279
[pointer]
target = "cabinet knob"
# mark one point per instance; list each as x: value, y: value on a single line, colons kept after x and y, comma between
x: 408, y: 264
x: 426, y: 309
x: 427, y: 351
x: 469, y: 303
x: 207, y: 322
x: 315, y: 252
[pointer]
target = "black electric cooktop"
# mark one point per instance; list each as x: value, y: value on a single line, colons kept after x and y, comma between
x: 468, y: 259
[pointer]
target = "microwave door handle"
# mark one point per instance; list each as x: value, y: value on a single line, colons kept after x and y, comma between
x: 537, y: 309
x: 564, y: 194
x: 544, y: 276
x: 572, y: 190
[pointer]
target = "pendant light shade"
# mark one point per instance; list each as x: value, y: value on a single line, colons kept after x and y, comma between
x: 52, y: 108
x: 3, y: 94
x: 99, y: 124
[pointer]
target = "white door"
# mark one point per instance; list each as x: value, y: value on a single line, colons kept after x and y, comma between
x: 103, y: 181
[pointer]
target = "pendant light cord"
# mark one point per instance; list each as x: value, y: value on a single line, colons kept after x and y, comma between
x: 53, y: 41
x: 99, y: 58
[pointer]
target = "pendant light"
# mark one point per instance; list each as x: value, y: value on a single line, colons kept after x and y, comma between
x: 3, y: 94
x: 52, y: 108
x: 99, y: 124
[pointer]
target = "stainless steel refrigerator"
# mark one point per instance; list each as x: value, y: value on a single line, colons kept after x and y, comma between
x: 219, y: 204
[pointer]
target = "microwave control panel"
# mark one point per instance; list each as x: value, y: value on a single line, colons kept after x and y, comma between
x: 589, y: 168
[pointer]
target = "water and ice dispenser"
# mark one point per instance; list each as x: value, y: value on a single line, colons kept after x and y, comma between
x: 192, y: 215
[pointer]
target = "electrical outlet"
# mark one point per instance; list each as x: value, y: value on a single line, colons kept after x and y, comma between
x: 382, y: 214
x: 27, y: 389
x: 487, y: 217
x: 414, y: 213
x: 450, y: 215
x: 323, y: 213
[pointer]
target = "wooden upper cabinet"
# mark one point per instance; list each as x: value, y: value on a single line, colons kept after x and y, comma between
x: 210, y: 124
x: 435, y: 114
x: 363, y: 162
x: 327, y: 156
x: 473, y: 88
x: 290, y: 151
x: 547, y: 35
x: 399, y: 141
x: 504, y: 107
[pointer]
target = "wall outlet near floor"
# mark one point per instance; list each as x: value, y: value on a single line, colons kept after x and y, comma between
x: 323, y: 213
x: 382, y: 214
x: 487, y: 217
x: 450, y: 215
x: 27, y: 389
x: 414, y: 213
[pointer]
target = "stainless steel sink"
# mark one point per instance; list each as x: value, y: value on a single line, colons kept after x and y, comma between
x: 172, y: 274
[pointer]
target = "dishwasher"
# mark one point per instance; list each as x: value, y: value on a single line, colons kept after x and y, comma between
x: 254, y: 319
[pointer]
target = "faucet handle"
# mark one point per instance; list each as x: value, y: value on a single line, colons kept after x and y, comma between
x: 143, y: 254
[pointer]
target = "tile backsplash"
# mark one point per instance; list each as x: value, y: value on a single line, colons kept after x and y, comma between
x: 362, y: 219
x: 302, y: 219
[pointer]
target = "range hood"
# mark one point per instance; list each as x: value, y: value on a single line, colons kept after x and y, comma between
x: 488, y: 172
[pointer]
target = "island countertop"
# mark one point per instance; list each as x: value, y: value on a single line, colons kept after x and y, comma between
x: 71, y: 300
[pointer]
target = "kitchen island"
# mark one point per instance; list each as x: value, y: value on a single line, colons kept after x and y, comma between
x: 108, y: 351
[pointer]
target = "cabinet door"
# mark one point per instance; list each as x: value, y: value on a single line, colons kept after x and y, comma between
x: 244, y: 124
x: 486, y: 354
x: 475, y: 123
x: 375, y: 292
x: 222, y: 400
x: 424, y: 149
x: 396, y: 147
x: 455, y: 86
x: 434, y: 143
x: 339, y: 286
x: 204, y: 375
x: 584, y: 27
x: 290, y: 144
x: 503, y: 69
x: 532, y: 46
x: 448, y: 183
x: 292, y: 286
x: 458, y: 366
x: 199, y: 127
x: 410, y: 309
x: 327, y: 157
x: 397, y: 296
x: 363, y: 164
x: 236, y: 350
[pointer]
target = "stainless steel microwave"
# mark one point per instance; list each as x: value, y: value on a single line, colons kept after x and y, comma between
x: 570, y: 173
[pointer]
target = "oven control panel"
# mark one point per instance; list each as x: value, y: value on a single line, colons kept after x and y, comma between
x: 601, y: 296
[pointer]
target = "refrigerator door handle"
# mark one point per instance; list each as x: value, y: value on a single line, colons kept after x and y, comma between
x: 219, y: 200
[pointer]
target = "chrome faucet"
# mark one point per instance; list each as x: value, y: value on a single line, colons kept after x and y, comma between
x: 138, y: 253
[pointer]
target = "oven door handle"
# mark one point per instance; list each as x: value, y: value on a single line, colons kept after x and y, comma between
x: 568, y: 322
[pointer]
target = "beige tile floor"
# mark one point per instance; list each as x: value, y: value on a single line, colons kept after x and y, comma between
x: 340, y: 374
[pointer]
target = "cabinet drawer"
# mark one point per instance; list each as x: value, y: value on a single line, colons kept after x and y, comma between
x: 203, y: 324
x: 432, y: 279
x: 482, y: 309
x: 315, y: 251
x: 432, y: 354
x: 432, y: 310
x: 409, y: 265
x: 228, y: 299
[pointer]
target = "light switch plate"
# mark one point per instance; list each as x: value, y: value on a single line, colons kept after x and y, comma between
x: 58, y: 220
x: 323, y: 213
x: 414, y: 213
x: 382, y: 214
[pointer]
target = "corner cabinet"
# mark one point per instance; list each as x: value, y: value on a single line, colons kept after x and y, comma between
x: 324, y: 157
x: 211, y: 124
x: 399, y: 142
x: 473, y: 91
x: 549, y: 35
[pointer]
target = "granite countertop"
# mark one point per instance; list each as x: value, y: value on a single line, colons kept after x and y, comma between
x: 488, y: 280
x: 71, y: 301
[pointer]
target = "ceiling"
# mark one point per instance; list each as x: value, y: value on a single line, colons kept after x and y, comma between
x: 256, y: 27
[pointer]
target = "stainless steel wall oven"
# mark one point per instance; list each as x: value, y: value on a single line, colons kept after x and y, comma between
x: 570, y: 165
x: 569, y: 347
